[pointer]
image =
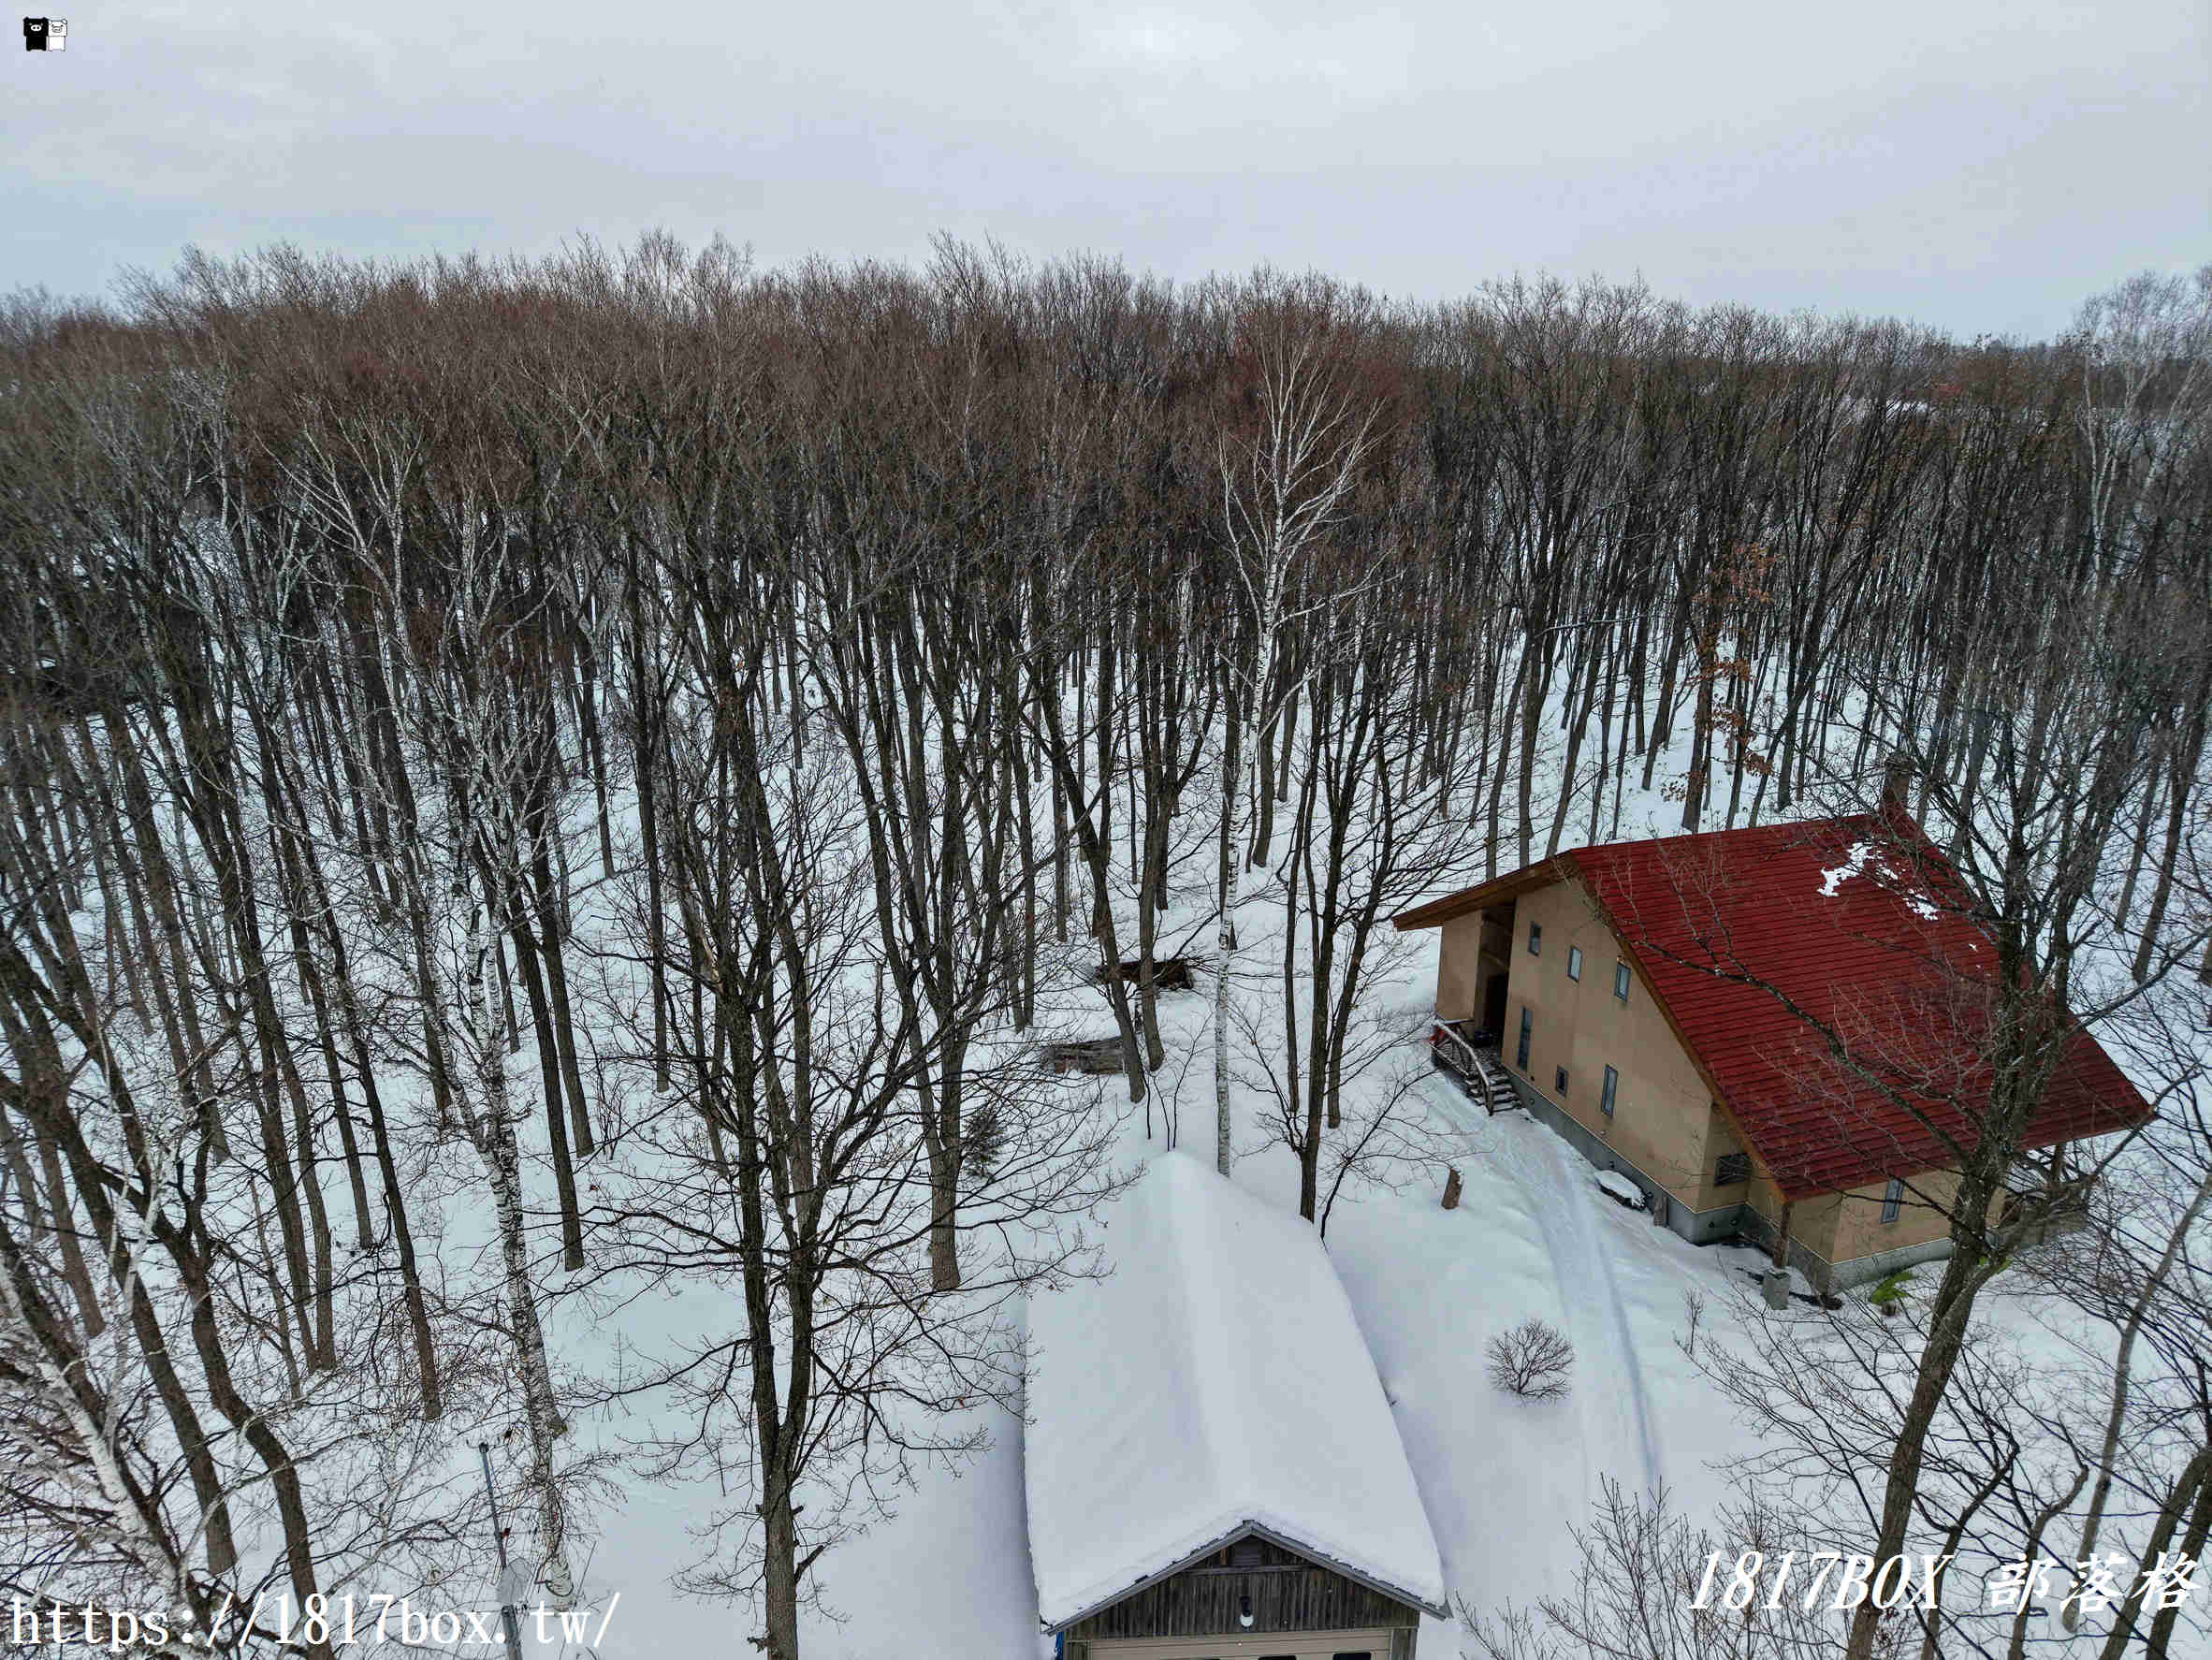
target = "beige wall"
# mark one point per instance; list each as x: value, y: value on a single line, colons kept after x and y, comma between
x: 1456, y: 985
x: 1924, y: 1214
x: 1843, y: 1227
x: 1663, y: 1119
x: 1473, y: 947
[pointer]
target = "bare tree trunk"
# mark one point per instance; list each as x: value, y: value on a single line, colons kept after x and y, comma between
x: 2179, y: 1499
x: 2122, y: 1370
x: 527, y: 958
x: 1225, y: 933
x: 492, y: 1128
x: 2193, y: 1549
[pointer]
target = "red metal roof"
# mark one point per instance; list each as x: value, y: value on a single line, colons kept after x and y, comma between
x: 1855, y: 925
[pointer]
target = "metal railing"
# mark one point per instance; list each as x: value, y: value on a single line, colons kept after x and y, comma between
x: 1476, y: 1067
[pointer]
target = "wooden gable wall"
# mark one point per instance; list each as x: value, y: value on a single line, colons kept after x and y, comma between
x: 1288, y: 1593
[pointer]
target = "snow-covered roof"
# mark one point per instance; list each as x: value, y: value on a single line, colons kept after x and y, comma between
x: 1215, y: 1380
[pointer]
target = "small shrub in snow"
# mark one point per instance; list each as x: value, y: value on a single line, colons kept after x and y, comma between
x: 1889, y: 1296
x: 1694, y: 1302
x: 1533, y: 1361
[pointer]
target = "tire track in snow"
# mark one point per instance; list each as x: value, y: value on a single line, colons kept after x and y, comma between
x: 1575, y: 1204
x: 1609, y: 1385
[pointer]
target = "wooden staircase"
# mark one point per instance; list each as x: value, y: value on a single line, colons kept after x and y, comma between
x: 1479, y: 1071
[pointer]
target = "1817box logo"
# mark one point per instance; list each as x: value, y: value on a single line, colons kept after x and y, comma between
x: 46, y: 34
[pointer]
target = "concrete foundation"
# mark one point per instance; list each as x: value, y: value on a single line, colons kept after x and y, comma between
x: 1727, y: 1221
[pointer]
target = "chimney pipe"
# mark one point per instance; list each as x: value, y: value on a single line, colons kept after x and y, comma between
x: 1897, y: 777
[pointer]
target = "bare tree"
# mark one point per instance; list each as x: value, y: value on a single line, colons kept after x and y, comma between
x: 1284, y: 481
x: 1533, y: 1360
x: 1644, y: 1590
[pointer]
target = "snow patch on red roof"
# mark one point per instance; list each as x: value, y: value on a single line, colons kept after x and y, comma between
x: 1865, y: 859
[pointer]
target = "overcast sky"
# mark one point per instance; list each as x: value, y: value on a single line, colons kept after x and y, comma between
x: 1981, y: 164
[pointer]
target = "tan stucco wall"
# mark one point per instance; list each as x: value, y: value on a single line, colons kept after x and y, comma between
x: 1663, y: 1120
x: 1843, y: 1227
x: 1765, y: 1197
x: 1925, y: 1214
x: 1455, y: 967
x: 1460, y: 966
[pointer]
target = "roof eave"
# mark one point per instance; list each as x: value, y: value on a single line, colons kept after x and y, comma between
x: 1483, y: 895
x: 1248, y: 1530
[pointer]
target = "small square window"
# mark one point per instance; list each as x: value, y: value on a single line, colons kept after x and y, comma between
x: 1620, y: 981
x: 1559, y: 1078
x: 1611, y: 1089
x: 1893, y: 1200
x: 1732, y: 1169
x: 1536, y: 939
x: 1574, y: 962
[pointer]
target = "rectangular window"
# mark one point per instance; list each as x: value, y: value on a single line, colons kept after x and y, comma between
x: 1732, y: 1169
x: 1574, y: 962
x: 1620, y: 981
x: 1612, y: 1089
x: 1528, y: 1024
x: 1559, y: 1081
x: 1536, y: 939
x: 1893, y: 1200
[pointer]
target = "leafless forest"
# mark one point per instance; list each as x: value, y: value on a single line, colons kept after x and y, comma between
x: 521, y: 778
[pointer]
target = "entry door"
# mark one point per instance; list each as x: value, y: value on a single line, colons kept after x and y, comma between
x: 1493, y: 1004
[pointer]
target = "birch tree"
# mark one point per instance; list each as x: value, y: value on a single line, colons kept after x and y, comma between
x: 1285, y: 470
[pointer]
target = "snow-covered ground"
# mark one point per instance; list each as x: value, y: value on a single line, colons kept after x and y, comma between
x: 1505, y: 1480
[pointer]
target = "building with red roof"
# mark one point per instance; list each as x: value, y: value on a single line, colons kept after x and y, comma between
x: 1773, y: 1031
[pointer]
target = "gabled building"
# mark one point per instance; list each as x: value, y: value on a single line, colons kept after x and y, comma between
x: 1211, y: 1468
x: 1658, y: 1003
